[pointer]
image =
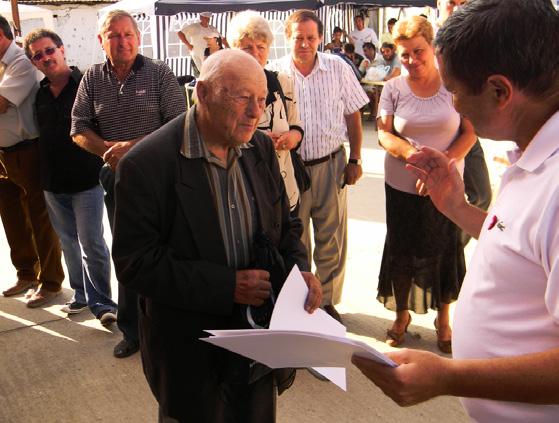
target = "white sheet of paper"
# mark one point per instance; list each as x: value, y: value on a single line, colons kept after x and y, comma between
x: 289, y: 313
x: 297, y: 338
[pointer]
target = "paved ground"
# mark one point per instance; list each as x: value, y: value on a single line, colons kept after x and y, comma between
x: 58, y: 369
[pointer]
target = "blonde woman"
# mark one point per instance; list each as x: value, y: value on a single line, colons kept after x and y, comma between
x: 423, y: 260
x: 251, y: 33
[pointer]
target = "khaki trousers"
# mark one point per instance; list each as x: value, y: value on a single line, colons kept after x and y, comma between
x: 34, y: 246
x: 325, y: 203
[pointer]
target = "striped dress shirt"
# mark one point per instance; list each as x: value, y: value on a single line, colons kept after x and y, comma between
x: 232, y: 194
x: 329, y: 93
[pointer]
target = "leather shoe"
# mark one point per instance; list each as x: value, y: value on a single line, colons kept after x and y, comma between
x: 20, y: 287
x: 125, y: 348
x: 331, y: 310
x: 41, y: 297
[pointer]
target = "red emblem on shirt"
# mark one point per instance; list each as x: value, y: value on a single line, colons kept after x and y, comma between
x: 495, y: 222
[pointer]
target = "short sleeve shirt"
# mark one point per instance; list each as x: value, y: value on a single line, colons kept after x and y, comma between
x: 366, y: 35
x: 18, y: 84
x: 329, y: 93
x: 148, y: 98
x: 430, y: 121
x: 195, y: 34
x: 509, y: 301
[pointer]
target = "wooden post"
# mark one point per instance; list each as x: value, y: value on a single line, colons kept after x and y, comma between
x: 15, y: 18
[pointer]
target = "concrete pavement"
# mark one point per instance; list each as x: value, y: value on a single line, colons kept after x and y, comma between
x: 59, y: 369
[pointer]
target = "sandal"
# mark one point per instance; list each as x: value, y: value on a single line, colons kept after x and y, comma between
x: 395, y: 339
x: 444, y: 346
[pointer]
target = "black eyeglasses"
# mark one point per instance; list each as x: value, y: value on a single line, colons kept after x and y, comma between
x: 49, y: 51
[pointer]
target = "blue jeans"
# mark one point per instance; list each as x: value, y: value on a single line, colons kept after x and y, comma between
x: 78, y: 220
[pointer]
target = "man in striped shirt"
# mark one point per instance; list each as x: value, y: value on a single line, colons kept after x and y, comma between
x: 118, y: 103
x: 329, y: 101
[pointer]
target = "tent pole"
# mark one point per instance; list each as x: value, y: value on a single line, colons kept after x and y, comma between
x: 15, y: 18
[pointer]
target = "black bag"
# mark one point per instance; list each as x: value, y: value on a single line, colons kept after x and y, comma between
x: 301, y: 176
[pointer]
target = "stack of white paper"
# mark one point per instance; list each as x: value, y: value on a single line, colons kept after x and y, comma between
x: 297, y: 338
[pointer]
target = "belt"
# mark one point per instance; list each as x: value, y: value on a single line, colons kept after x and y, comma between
x: 322, y: 159
x: 19, y: 146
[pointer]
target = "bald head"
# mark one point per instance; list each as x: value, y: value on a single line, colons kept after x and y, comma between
x: 231, y: 93
x: 231, y: 65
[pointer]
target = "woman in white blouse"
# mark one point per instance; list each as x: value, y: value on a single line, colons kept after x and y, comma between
x: 423, y: 260
x: 250, y: 32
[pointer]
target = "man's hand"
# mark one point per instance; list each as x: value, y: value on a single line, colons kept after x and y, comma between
x: 252, y: 287
x: 116, y: 150
x: 420, y: 376
x: 437, y: 177
x: 4, y: 105
x: 314, y: 297
x: 352, y: 173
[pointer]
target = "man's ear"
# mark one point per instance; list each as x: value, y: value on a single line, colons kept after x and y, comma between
x: 201, y: 91
x: 500, y: 90
x: 100, y: 39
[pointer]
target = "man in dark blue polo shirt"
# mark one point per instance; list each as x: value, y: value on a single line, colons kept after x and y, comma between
x: 70, y: 180
x: 118, y: 103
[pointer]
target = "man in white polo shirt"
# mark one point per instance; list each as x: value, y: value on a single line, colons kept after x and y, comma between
x: 330, y: 99
x: 506, y: 324
x: 193, y: 36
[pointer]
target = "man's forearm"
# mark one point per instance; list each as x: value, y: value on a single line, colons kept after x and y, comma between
x: 90, y: 141
x: 530, y: 378
x: 355, y: 134
x: 468, y: 217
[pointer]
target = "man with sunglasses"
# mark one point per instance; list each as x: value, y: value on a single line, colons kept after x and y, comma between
x: 34, y: 246
x: 70, y: 180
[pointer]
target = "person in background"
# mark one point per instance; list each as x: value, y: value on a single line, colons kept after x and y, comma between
x: 119, y: 102
x: 349, y: 56
x: 336, y: 44
x: 192, y: 36
x: 423, y: 259
x: 34, y: 246
x: 369, y: 60
x: 70, y: 180
x: 214, y: 44
x: 330, y: 102
x: 387, y: 36
x: 362, y: 35
x: 390, y: 59
x: 506, y: 323
x: 251, y: 33
x: 194, y: 259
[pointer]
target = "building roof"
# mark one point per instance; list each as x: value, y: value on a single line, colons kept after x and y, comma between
x: 62, y: 2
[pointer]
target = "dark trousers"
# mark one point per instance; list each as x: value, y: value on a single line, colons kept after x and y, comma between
x: 232, y: 403
x: 127, y: 316
x: 476, y: 181
x: 34, y: 246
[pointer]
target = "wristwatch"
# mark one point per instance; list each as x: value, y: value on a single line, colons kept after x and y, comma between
x: 355, y: 161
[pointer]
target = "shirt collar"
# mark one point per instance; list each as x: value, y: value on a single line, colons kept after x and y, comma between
x: 136, y: 66
x: 11, y: 53
x: 193, y: 147
x: 75, y: 76
x: 544, y: 144
x: 319, y: 65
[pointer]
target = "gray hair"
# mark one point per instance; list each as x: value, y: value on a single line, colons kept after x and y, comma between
x: 36, y: 35
x: 115, y: 15
x: 251, y: 25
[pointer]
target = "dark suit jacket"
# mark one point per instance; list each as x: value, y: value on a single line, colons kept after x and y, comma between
x: 167, y: 245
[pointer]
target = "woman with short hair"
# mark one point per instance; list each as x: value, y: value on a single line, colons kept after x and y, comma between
x: 250, y: 32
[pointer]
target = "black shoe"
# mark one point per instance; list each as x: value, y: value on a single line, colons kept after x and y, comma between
x: 125, y: 348
x: 329, y: 308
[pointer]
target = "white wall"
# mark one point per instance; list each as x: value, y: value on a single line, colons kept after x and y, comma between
x: 77, y: 26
